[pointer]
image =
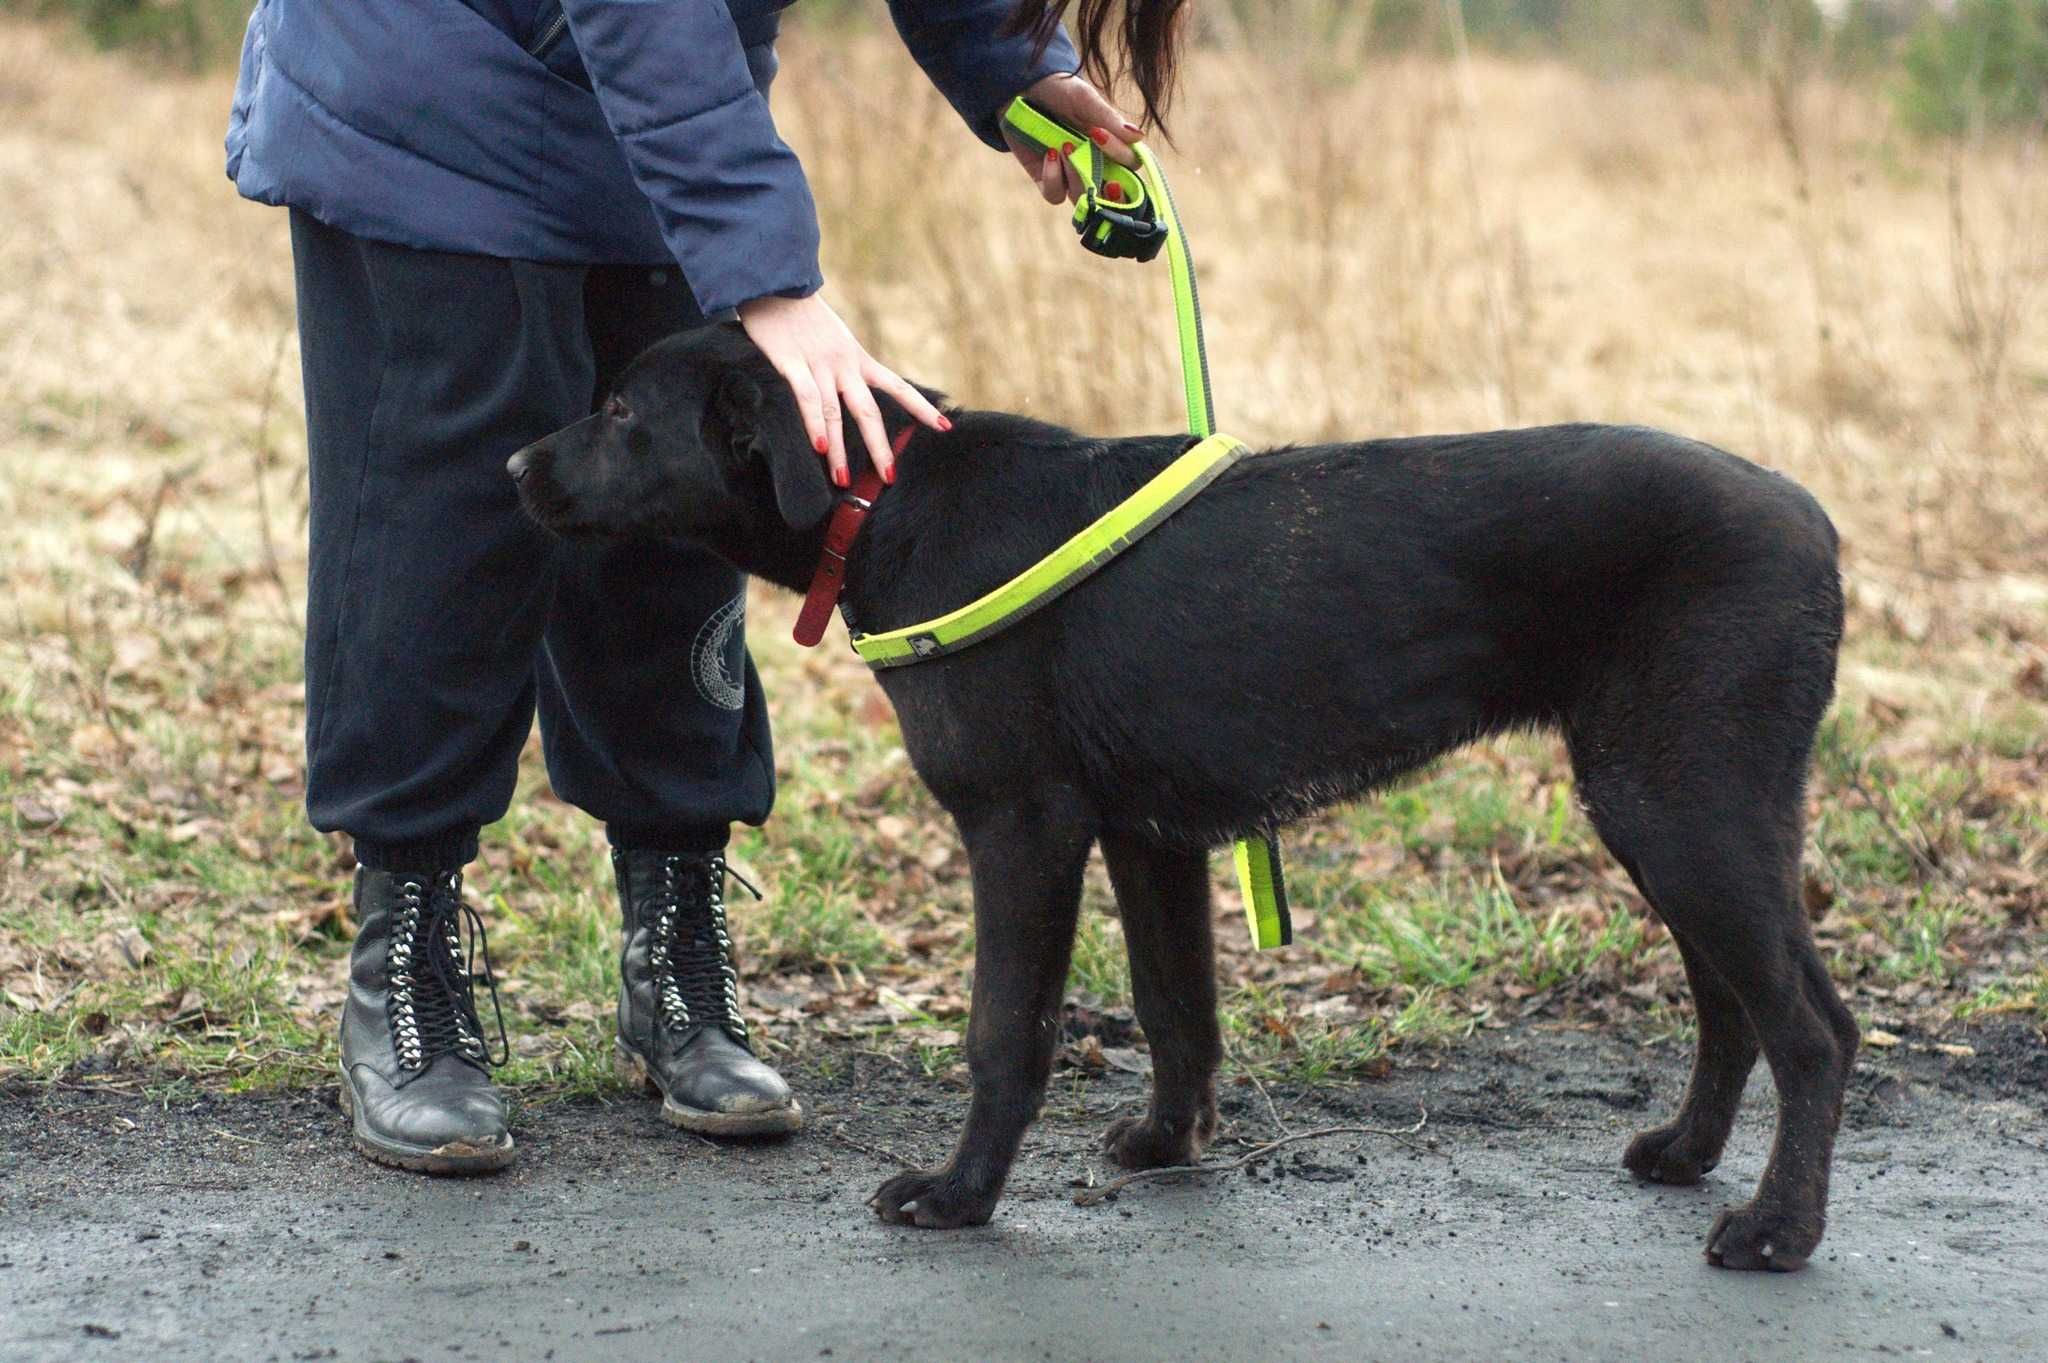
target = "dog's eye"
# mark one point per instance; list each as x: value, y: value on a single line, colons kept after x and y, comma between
x: 615, y: 408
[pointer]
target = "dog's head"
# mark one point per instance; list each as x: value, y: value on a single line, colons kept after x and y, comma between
x: 699, y: 436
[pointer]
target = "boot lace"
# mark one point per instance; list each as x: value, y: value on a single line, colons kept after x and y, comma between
x: 432, y: 996
x: 691, y: 954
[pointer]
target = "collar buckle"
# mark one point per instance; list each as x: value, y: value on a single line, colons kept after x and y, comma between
x: 848, y: 516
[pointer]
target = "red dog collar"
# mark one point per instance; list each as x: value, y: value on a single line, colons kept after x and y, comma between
x: 847, y: 519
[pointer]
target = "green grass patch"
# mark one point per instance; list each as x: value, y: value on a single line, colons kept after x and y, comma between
x: 1100, y: 970
x: 1462, y: 925
x: 1263, y: 1034
x: 2024, y: 996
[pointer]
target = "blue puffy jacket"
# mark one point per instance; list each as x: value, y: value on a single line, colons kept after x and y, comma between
x: 625, y: 131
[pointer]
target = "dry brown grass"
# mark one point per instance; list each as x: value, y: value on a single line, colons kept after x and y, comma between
x: 1397, y: 246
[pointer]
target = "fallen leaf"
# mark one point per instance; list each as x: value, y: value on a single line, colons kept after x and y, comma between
x: 120, y: 947
x: 1880, y: 1038
x: 1086, y: 1054
x: 179, y: 1006
x: 1817, y: 896
x: 1129, y: 1059
x: 95, y: 743
x: 135, y: 948
x: 1378, y: 859
x: 28, y: 993
x: 900, y: 1007
x: 133, y: 653
x: 34, y: 813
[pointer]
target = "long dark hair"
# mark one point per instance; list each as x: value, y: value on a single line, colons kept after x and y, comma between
x: 1146, y: 40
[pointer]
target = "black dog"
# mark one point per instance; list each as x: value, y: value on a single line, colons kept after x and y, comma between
x: 1318, y: 622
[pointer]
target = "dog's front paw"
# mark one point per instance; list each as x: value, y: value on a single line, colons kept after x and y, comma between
x: 1668, y: 1154
x: 1752, y: 1237
x: 1147, y: 1143
x: 933, y: 1200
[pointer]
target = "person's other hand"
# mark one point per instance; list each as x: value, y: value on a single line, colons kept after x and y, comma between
x: 1078, y: 104
x: 831, y: 375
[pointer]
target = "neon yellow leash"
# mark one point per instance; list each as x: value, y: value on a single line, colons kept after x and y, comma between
x: 1136, y: 222
x: 1059, y: 572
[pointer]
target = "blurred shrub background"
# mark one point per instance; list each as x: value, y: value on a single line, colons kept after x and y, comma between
x: 1950, y: 64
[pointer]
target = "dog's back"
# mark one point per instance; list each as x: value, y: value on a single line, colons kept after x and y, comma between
x: 1327, y: 617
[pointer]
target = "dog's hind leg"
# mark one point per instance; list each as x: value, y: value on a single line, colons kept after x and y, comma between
x: 1718, y: 856
x: 1162, y: 894
x: 1691, y: 730
x: 1690, y: 1143
x: 1027, y: 861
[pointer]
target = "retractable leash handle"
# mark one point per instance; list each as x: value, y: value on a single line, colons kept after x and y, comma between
x: 1122, y: 226
x: 1135, y: 226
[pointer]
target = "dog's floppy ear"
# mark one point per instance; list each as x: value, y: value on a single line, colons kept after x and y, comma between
x: 764, y: 425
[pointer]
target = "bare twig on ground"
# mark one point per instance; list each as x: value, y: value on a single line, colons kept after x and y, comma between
x: 1089, y: 1197
x: 1278, y: 1124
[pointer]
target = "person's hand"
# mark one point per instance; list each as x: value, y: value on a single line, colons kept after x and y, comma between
x: 1078, y: 104
x: 831, y: 375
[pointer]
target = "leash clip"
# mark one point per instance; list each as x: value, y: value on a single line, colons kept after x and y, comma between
x: 1116, y: 234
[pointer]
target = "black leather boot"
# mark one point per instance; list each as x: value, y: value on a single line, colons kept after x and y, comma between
x: 414, y: 1067
x: 680, y: 1030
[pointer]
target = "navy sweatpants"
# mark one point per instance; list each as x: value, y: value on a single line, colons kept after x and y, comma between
x: 438, y: 616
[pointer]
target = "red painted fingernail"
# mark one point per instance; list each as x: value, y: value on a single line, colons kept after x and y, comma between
x: 1051, y: 156
x: 889, y: 475
x: 1101, y: 136
x: 945, y: 422
x: 1113, y: 192
x: 819, y: 445
x: 839, y: 477
x: 1066, y: 148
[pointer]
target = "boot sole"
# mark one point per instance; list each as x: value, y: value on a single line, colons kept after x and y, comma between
x: 455, y: 1159
x: 774, y: 1121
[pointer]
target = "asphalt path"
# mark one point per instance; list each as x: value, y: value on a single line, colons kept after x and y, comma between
x: 140, y: 1227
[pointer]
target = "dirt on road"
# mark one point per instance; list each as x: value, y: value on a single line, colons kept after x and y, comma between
x: 212, y: 1227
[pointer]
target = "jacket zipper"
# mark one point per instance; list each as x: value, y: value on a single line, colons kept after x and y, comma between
x: 548, y: 37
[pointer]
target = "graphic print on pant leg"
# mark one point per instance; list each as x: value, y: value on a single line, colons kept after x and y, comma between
x: 717, y: 663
